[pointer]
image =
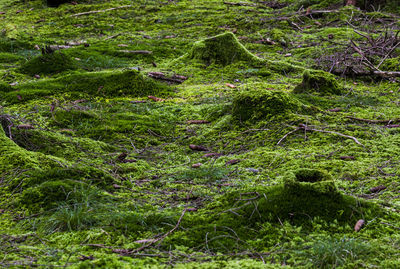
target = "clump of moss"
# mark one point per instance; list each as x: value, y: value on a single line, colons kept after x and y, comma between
x: 51, y: 63
x: 221, y: 49
x: 317, y: 81
x: 256, y: 104
x: 129, y: 82
x: 305, y: 180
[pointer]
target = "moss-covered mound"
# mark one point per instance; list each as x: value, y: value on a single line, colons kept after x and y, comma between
x: 47, y: 64
x: 12, y: 156
x: 257, y: 104
x: 221, y: 49
x: 88, y: 84
x: 317, y: 81
x: 130, y: 82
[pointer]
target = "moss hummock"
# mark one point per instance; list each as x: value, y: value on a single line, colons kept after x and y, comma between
x: 257, y: 104
x: 221, y: 49
x: 303, y: 181
x: 47, y: 64
x: 317, y: 81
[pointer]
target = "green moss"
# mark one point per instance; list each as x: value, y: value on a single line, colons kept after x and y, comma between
x: 221, y: 49
x: 47, y: 64
x: 317, y: 81
x: 48, y: 194
x: 303, y: 181
x: 12, y: 156
x: 259, y: 103
x: 392, y: 64
x: 6, y: 57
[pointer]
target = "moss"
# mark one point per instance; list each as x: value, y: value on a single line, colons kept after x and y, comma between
x: 46, y: 64
x: 259, y: 103
x: 303, y: 181
x: 391, y: 64
x: 6, y: 57
x: 48, y: 194
x: 12, y: 156
x: 317, y: 81
x: 221, y: 49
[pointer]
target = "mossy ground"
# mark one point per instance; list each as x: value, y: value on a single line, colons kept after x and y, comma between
x: 90, y: 165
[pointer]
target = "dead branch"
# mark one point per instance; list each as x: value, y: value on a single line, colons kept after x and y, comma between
x: 240, y: 4
x: 98, y: 11
x: 161, y: 76
x: 306, y: 128
x: 374, y: 121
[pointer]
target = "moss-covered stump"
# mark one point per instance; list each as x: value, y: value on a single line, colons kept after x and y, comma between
x: 317, y: 81
x: 258, y: 104
x: 221, y: 49
x: 47, y: 64
x: 310, y: 182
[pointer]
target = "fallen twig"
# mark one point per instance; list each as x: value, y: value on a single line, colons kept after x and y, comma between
x: 306, y: 128
x: 136, y: 51
x: 98, y: 11
x: 374, y: 121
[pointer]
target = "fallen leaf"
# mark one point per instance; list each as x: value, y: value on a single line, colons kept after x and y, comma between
x: 197, y: 148
x: 145, y: 241
x: 25, y: 126
x: 196, y: 165
x: 230, y: 85
x: 347, y: 157
x: 231, y: 162
x: 116, y: 186
x: 122, y: 45
x: 336, y: 109
x: 179, y: 77
x: 156, y: 99
x: 359, y: 225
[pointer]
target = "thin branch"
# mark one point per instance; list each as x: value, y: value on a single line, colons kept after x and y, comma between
x: 99, y: 11
x: 306, y: 128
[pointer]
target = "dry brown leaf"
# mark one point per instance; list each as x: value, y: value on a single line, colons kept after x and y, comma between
x: 230, y: 85
x: 25, y: 126
x: 359, y: 225
x: 231, y: 162
x: 347, y: 157
x: 196, y: 165
x: 197, y: 147
x: 155, y: 99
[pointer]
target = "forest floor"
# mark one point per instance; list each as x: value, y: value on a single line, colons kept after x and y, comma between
x: 199, y: 134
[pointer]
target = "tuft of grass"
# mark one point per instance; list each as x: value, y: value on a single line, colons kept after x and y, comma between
x: 334, y: 252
